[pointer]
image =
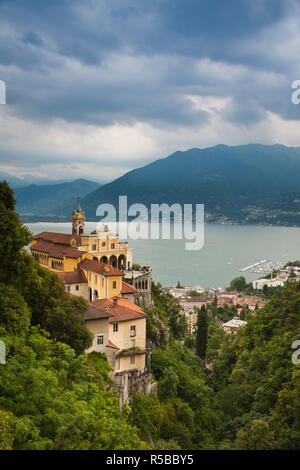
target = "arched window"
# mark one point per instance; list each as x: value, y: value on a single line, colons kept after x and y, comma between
x: 122, y: 262
x: 113, y: 261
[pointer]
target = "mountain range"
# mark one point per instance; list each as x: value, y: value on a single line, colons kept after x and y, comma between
x: 243, y: 184
x: 251, y: 184
x: 26, y: 180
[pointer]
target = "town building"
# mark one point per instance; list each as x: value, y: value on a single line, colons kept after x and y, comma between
x: 277, y: 281
x: 183, y: 291
x: 119, y: 329
x: 233, y: 325
x: 190, y: 306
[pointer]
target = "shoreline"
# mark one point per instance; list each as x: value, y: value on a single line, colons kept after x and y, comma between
x: 40, y: 219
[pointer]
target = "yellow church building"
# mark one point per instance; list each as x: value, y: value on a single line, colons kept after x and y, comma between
x: 95, y: 261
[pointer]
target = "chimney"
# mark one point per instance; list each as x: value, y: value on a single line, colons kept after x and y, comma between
x: 115, y: 302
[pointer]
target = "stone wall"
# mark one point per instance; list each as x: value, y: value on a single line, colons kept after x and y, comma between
x: 142, y: 282
x: 132, y: 381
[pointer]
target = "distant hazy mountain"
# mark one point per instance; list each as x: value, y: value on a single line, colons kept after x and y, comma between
x: 13, y: 181
x: 248, y: 184
x: 17, y: 182
x: 52, y: 199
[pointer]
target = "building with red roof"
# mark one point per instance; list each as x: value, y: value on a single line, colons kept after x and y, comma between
x: 120, y: 325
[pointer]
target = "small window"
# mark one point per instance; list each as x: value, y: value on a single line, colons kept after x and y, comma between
x: 132, y: 343
x: 77, y: 287
x: 94, y: 247
x: 132, y: 359
x: 115, y: 327
x: 114, y: 284
x: 103, y: 282
x: 100, y: 340
x: 68, y: 288
x: 132, y: 331
x: 103, y: 244
x: 112, y: 246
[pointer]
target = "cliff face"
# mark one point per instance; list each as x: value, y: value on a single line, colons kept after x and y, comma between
x: 160, y: 333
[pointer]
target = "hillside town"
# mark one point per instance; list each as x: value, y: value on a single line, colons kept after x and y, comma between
x: 99, y: 267
x: 191, y: 298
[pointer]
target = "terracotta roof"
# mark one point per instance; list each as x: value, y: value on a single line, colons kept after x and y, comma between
x: 124, y: 310
x: 111, y: 345
x: 57, y: 250
x: 60, y: 238
x: 100, y: 268
x: 72, y: 277
x: 127, y: 288
x: 95, y: 313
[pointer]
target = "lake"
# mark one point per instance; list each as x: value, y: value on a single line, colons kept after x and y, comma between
x: 227, y: 248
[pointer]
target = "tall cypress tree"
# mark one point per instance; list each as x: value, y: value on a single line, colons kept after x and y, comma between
x: 201, y: 338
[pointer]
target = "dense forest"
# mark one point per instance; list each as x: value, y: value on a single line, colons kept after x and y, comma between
x: 216, y: 391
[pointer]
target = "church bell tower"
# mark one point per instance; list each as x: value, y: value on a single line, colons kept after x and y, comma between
x: 78, y: 220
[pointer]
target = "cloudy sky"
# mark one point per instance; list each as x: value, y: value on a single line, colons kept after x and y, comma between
x: 98, y: 87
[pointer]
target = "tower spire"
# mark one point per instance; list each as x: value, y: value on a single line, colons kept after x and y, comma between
x: 78, y: 208
x: 78, y: 219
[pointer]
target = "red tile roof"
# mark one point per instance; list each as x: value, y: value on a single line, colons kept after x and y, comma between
x: 95, y: 313
x: 100, y: 268
x: 124, y: 310
x: 127, y: 288
x: 60, y: 238
x: 57, y: 250
x: 73, y: 277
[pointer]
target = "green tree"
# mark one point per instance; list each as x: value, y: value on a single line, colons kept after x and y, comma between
x: 147, y: 414
x: 169, y: 383
x: 239, y: 284
x: 65, y: 322
x: 193, y: 293
x: 13, y: 237
x: 202, y: 331
x: 14, y: 312
x: 6, y: 430
x: 258, y: 438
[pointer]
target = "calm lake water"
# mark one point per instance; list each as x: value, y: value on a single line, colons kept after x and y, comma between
x: 227, y: 248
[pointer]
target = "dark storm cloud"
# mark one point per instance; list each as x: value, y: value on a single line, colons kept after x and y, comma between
x: 124, y: 61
